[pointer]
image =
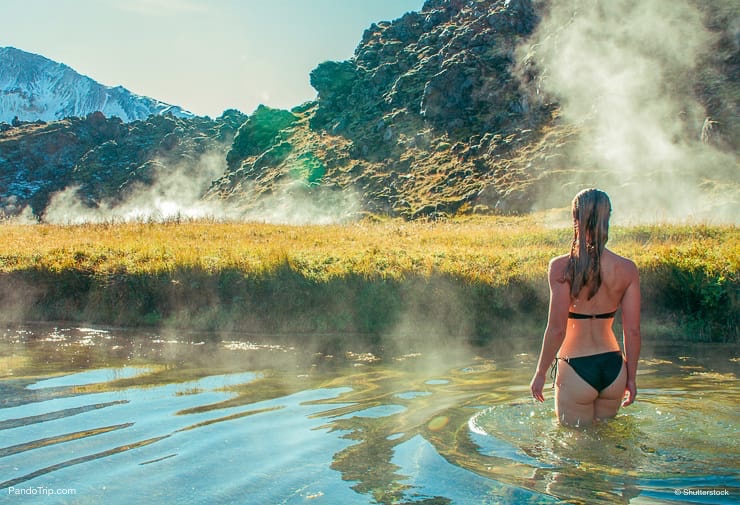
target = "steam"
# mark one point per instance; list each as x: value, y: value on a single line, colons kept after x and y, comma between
x: 298, y: 204
x: 177, y: 193
x: 623, y: 72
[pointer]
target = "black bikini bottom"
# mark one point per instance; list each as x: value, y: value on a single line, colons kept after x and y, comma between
x: 599, y: 370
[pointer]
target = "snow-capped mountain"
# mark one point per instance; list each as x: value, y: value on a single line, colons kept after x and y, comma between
x: 33, y: 87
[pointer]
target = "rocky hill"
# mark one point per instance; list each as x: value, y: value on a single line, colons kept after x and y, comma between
x: 448, y: 110
x: 97, y: 159
x: 35, y: 88
x: 466, y: 106
x: 425, y: 119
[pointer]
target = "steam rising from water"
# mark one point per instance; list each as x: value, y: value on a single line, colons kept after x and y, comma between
x: 177, y: 193
x: 624, y: 71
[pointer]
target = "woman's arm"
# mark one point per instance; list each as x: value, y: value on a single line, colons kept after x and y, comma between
x: 632, y: 335
x: 557, y: 321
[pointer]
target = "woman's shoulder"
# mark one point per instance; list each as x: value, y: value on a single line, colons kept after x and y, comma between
x: 621, y: 262
x: 560, y: 260
x: 557, y: 267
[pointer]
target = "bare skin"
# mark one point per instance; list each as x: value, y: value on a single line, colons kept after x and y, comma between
x: 577, y: 403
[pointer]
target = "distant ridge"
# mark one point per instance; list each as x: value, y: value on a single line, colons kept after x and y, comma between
x: 33, y: 88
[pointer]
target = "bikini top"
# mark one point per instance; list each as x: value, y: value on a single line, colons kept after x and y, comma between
x: 605, y: 315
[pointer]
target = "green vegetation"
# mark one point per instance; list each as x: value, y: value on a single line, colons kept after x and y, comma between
x: 258, y: 133
x: 478, y: 279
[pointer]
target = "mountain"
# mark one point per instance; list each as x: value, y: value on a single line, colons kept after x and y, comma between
x: 502, y: 106
x: 482, y: 106
x: 35, y: 88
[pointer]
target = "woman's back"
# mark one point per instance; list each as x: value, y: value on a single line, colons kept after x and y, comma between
x: 586, y: 336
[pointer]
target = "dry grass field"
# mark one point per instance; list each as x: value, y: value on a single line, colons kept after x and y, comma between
x: 372, y: 277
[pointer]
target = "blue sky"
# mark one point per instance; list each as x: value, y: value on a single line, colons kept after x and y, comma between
x: 203, y: 55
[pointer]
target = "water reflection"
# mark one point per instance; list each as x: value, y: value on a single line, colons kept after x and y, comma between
x: 192, y: 419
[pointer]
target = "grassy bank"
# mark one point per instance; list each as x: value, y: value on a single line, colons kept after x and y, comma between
x: 478, y: 279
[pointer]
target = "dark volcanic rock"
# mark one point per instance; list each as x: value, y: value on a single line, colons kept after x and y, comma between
x: 450, y: 67
x: 103, y: 157
x: 385, y: 122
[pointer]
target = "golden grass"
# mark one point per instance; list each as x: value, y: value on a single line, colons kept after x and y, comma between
x: 473, y: 274
x: 490, y: 250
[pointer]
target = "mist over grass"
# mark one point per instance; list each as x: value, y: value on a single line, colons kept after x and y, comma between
x: 383, y: 284
x: 175, y: 192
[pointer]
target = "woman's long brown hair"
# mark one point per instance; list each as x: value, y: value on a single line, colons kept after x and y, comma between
x: 591, y: 211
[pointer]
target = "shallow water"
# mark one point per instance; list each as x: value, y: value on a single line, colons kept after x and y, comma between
x: 107, y: 416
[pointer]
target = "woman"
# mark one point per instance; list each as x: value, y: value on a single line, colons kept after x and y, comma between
x: 587, y: 286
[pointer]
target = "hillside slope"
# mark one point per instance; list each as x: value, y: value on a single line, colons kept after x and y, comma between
x: 93, y: 162
x: 457, y: 109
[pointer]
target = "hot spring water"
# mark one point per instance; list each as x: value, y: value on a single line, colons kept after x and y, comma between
x: 103, y: 416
